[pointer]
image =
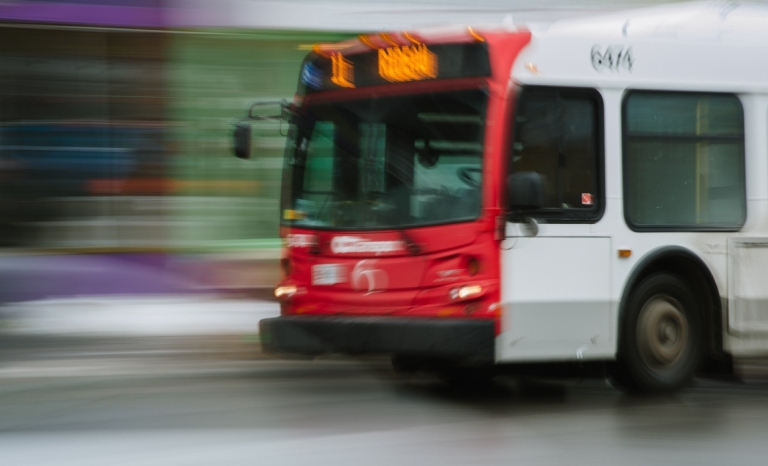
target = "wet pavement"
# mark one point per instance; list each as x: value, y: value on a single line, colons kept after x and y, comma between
x: 199, y: 402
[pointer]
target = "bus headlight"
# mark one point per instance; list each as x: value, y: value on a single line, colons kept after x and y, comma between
x: 466, y: 292
x: 285, y: 291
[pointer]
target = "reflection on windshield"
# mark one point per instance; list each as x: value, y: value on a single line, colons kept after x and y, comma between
x: 386, y: 162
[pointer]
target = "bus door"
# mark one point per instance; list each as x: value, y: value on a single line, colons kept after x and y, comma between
x: 554, y: 270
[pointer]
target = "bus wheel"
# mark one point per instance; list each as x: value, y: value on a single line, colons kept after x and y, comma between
x: 661, y: 338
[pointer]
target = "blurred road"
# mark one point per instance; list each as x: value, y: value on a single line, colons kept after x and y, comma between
x: 113, y: 402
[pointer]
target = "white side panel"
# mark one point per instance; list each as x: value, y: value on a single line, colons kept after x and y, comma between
x: 748, y: 300
x: 555, y: 299
x: 747, y: 334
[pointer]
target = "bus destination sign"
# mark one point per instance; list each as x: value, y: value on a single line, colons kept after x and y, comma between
x: 407, y: 63
x: 397, y: 64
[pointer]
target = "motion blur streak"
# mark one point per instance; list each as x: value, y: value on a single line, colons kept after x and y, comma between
x: 137, y: 255
x: 114, y: 139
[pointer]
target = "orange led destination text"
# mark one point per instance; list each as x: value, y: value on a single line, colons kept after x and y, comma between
x: 407, y: 63
x: 342, y: 72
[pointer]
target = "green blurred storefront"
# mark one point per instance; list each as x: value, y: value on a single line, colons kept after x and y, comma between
x: 213, y: 77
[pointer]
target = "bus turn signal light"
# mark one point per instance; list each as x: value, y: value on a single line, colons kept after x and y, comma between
x: 624, y: 253
x: 466, y: 292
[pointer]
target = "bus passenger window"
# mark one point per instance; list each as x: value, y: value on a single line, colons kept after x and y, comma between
x: 556, y: 136
x: 578, y: 149
x: 536, y: 141
x: 684, y: 161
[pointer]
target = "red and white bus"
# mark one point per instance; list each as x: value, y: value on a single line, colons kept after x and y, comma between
x: 594, y: 190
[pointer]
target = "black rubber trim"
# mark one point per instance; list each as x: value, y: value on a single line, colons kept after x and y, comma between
x: 442, y: 338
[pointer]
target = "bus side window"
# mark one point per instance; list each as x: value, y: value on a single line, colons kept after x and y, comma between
x: 684, y: 161
x: 578, y: 152
x: 536, y: 141
x: 556, y: 135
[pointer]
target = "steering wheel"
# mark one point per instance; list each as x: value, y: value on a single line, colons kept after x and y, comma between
x: 465, y: 175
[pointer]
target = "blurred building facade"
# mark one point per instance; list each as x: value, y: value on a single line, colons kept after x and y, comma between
x: 82, y: 112
x: 116, y: 137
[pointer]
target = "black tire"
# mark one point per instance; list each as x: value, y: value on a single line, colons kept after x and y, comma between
x: 660, y: 346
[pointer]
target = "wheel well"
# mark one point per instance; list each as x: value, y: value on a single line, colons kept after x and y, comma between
x: 695, y: 273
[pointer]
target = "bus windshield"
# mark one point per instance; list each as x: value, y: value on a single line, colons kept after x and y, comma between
x: 386, y: 162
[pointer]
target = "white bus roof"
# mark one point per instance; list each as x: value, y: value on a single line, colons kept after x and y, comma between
x: 694, y: 46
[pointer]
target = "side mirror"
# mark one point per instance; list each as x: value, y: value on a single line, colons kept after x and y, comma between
x: 242, y: 136
x: 525, y: 191
x: 242, y: 133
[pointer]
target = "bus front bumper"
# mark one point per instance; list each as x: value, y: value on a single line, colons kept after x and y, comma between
x: 438, y: 338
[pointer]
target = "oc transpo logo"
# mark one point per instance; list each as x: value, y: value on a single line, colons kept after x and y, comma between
x: 366, y: 277
x: 354, y: 244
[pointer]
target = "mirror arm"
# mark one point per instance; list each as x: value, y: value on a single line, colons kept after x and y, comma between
x: 284, y: 107
x: 528, y: 224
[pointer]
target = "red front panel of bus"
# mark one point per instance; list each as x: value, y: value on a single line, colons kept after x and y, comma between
x: 416, y: 271
x: 383, y: 273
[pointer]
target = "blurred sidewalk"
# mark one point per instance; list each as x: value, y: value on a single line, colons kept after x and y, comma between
x: 29, y: 276
x: 134, y: 295
x: 135, y: 316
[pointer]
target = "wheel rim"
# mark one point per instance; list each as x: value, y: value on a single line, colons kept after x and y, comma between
x: 662, y: 332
